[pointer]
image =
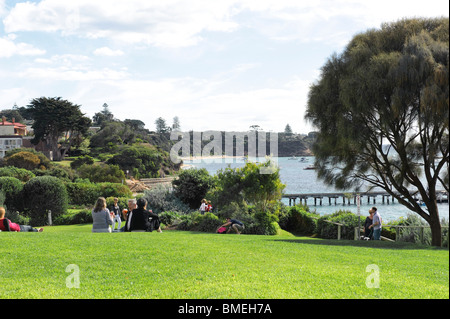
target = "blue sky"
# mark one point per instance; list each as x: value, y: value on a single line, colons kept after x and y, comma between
x: 217, y: 65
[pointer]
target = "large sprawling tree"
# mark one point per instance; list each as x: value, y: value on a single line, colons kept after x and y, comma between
x: 382, y: 112
x: 58, y: 122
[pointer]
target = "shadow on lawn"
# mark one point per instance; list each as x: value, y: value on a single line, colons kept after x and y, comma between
x: 358, y: 243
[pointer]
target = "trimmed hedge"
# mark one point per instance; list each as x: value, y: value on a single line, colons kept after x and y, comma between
x: 88, y: 193
x: 11, y: 188
x: 74, y: 218
x: 297, y: 219
x: 41, y: 194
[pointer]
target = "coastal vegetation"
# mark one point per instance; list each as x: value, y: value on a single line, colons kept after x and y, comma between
x: 381, y: 109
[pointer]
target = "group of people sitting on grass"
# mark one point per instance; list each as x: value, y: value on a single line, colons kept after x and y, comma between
x: 137, y: 217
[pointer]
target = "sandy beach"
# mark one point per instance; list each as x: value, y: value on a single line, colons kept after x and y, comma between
x: 200, y: 158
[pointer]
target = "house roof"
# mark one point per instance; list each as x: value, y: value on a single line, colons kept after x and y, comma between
x: 16, y: 125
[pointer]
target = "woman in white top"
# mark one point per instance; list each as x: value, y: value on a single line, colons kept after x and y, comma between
x: 101, y: 216
x: 203, y: 207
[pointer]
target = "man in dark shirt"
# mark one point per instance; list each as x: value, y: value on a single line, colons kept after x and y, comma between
x: 141, y: 219
x: 234, y: 224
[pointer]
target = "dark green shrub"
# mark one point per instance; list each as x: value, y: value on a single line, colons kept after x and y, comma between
x: 63, y: 173
x: 207, y: 223
x: 141, y: 161
x: 102, y: 173
x: 88, y: 193
x: 170, y: 218
x: 43, y: 194
x: 267, y: 223
x: 192, y: 185
x: 82, y: 193
x: 82, y: 160
x: 299, y: 220
x: 197, y: 222
x: 74, y: 218
x: 12, y: 190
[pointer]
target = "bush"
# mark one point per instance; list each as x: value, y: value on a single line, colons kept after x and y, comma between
x: 299, y: 220
x: 414, y: 234
x: 330, y: 231
x: 141, y: 161
x: 42, y: 194
x: 73, y: 218
x: 44, y: 162
x: 24, y: 160
x: 257, y: 223
x: 102, y: 173
x: 82, y: 160
x: 11, y: 188
x: 170, y: 218
x: 160, y: 199
x: 22, y: 174
x: 63, y: 173
x: 197, y: 222
x: 88, y: 193
x: 192, y: 185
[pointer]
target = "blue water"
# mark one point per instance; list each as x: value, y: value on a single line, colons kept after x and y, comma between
x: 299, y: 181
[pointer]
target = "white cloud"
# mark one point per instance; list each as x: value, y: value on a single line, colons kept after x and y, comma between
x: 9, y: 48
x: 12, y: 96
x: 173, y: 23
x: 201, y: 103
x: 105, y: 51
x: 70, y: 67
x: 72, y: 74
x: 180, y: 23
x: 2, y: 8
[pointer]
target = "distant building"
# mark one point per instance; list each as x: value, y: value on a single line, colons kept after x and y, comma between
x: 11, y: 135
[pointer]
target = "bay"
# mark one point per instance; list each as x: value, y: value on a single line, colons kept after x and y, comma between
x: 299, y: 180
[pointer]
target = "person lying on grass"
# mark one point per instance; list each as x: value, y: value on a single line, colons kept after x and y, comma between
x: 7, y: 225
x: 234, y: 224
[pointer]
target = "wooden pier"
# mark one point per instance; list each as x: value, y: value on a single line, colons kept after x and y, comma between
x: 350, y: 198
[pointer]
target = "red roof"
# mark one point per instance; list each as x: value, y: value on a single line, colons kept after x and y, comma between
x: 16, y: 125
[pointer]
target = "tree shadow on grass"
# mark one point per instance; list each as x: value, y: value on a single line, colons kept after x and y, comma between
x: 359, y: 243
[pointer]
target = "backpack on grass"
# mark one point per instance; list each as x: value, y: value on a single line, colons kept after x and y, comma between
x: 222, y: 230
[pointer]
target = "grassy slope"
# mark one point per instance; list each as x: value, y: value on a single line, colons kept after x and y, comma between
x: 197, y: 265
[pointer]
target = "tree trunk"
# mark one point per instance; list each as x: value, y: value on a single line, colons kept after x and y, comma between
x: 436, y: 233
x: 435, y: 224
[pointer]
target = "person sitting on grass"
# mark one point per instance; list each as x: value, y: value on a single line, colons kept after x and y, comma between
x: 140, y: 219
x: 234, y: 224
x: 7, y: 225
x: 101, y: 217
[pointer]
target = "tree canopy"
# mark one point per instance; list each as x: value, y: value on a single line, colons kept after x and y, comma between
x: 55, y: 118
x: 382, y: 110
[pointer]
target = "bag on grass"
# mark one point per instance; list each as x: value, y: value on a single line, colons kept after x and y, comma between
x: 222, y: 230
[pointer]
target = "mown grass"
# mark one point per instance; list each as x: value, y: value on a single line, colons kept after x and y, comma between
x: 197, y: 266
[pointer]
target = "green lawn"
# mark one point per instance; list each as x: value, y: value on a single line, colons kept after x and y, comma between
x: 197, y: 265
